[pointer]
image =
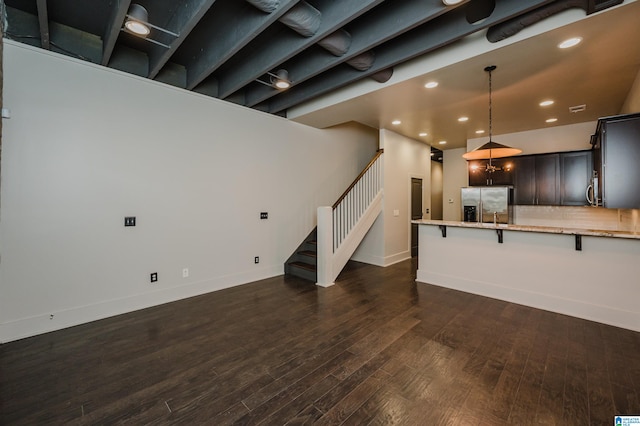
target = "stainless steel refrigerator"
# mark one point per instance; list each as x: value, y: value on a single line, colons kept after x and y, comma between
x: 487, y: 204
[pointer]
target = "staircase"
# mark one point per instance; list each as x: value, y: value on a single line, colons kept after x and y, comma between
x: 303, y: 262
x: 340, y: 230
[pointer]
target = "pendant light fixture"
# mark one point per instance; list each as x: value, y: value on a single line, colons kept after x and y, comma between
x: 491, y: 149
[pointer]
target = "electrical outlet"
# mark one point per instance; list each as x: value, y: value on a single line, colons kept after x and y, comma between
x: 130, y: 221
x: 256, y: 259
x: 185, y: 273
x: 264, y: 215
x: 154, y: 277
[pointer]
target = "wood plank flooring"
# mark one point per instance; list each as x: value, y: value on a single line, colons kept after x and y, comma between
x: 376, y: 348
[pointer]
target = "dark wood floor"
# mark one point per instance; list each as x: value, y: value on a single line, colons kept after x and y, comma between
x: 377, y: 348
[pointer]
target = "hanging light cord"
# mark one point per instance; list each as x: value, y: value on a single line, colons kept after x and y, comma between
x: 489, y: 69
x: 490, y: 108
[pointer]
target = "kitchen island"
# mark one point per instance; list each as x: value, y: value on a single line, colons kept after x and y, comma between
x: 587, y: 273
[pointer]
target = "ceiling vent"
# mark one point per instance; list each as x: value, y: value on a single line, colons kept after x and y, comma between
x: 267, y: 6
x: 578, y: 108
x: 598, y: 5
x: 510, y: 27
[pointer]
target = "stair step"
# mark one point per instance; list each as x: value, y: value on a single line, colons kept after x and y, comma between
x: 308, y: 253
x: 314, y: 242
x: 303, y: 265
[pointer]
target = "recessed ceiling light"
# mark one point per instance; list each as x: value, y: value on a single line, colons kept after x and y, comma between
x: 570, y: 42
x: 463, y: 119
x: 442, y: 142
x: 450, y: 2
x: 479, y: 132
x: 546, y: 103
x: 396, y: 122
x: 431, y: 84
x: 422, y: 135
x: 432, y: 154
x: 551, y: 120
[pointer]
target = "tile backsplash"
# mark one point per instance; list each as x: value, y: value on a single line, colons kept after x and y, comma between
x: 579, y: 217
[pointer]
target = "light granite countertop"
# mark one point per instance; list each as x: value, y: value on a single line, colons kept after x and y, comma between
x: 532, y: 228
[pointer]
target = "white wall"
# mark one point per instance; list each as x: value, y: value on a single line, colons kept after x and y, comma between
x: 572, y: 137
x: 632, y: 103
x: 86, y: 146
x: 455, y: 177
x: 389, y: 239
x: 436, y: 190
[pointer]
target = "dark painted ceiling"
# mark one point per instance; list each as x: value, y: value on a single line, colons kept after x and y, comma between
x: 226, y: 48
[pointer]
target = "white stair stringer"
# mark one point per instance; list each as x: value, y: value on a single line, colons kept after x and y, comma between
x: 330, y: 263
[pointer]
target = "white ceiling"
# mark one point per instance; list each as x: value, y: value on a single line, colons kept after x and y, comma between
x: 599, y: 72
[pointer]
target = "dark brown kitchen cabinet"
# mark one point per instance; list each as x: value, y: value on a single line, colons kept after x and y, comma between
x: 479, y: 176
x: 537, y: 179
x: 524, y: 180
x: 552, y: 179
x: 617, y: 151
x: 575, y: 174
x: 548, y: 179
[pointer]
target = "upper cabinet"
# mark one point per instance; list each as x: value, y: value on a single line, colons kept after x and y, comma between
x: 537, y: 179
x: 524, y: 180
x: 616, y: 145
x: 479, y: 176
x: 576, y: 170
x: 548, y: 179
x: 554, y: 179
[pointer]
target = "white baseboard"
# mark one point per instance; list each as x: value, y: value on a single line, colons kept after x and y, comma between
x: 369, y: 259
x: 600, y: 313
x: 396, y: 258
x: 39, y: 324
x: 381, y: 261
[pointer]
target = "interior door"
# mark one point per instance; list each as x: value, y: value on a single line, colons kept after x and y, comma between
x: 416, y: 212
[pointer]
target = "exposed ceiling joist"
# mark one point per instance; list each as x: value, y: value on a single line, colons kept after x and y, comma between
x: 335, y: 14
x: 222, y: 48
x: 441, y: 31
x: 182, y: 22
x: 110, y: 37
x: 223, y: 35
x: 385, y: 22
x: 43, y: 20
